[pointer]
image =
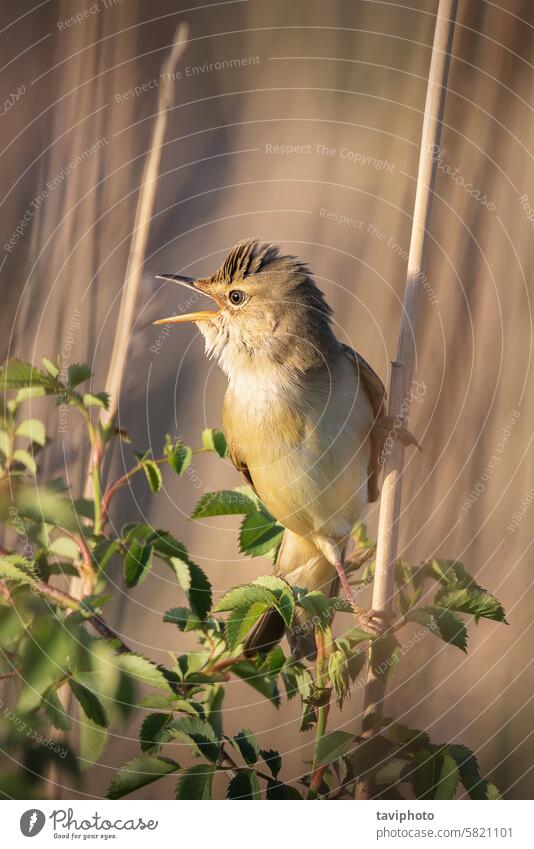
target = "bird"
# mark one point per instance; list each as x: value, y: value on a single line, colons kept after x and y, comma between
x: 304, y: 419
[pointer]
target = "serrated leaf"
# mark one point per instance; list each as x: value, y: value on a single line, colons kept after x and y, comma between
x: 259, y: 534
x: 198, y: 733
x: 434, y: 776
x: 90, y: 704
x: 137, y: 563
x: 276, y: 790
x: 214, y: 440
x: 226, y: 502
x: 477, y: 602
x: 241, y: 620
x: 142, y: 669
x: 247, y: 744
x: 273, y: 760
x: 78, y: 373
x: 153, y: 475
x: 13, y: 567
x: 333, y: 745
x: 138, y: 773
x: 154, y: 731
x: 195, y: 584
x: 25, y: 458
x: 244, y: 785
x: 98, y: 399
x: 441, y: 622
x: 178, y: 455
x: 196, y: 782
x: 55, y: 711
x: 247, y: 594
x: 32, y: 429
x: 17, y: 374
x: 183, y: 618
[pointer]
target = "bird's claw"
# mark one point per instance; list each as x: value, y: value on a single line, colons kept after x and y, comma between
x: 375, y: 622
x: 391, y: 426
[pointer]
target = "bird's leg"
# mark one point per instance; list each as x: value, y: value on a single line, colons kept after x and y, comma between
x: 374, y: 621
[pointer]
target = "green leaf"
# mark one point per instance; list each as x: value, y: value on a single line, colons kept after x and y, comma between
x: 99, y: 399
x: 338, y: 672
x: 247, y: 744
x: 243, y: 596
x: 477, y: 602
x: 476, y: 786
x: 259, y: 534
x: 138, y: 773
x: 137, y: 563
x: 93, y: 741
x: 183, y: 618
x: 244, y: 785
x: 16, y: 374
x: 178, y: 455
x: 144, y: 670
x: 91, y: 706
x: 195, y: 584
x: 26, y: 459
x: 50, y: 367
x: 78, y: 373
x: 264, y: 684
x: 321, y: 608
x: 196, y: 782
x: 154, y: 731
x: 283, y: 593
x: 64, y: 546
x: 441, y: 622
x: 435, y: 775
x: 153, y: 475
x: 5, y: 443
x: 42, y: 504
x: 212, y: 706
x: 273, y: 760
x: 32, y: 429
x: 333, y: 746
x: 214, y: 440
x: 276, y: 790
x: 13, y: 567
x: 226, y: 502
x: 198, y: 733
x: 55, y: 711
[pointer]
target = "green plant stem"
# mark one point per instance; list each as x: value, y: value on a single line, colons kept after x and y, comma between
x: 322, y: 716
x: 117, y: 484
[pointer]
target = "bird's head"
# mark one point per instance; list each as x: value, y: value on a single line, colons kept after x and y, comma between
x: 268, y: 311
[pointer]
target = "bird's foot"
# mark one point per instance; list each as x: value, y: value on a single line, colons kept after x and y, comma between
x: 392, y: 427
x: 375, y: 622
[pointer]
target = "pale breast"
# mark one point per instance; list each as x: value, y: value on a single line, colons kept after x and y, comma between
x: 307, y: 455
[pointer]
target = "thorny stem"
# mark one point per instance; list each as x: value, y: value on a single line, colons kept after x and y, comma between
x: 322, y: 716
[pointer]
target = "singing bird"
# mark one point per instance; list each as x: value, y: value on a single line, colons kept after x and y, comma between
x: 303, y: 416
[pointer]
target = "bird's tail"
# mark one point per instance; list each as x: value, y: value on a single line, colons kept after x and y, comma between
x: 301, y: 564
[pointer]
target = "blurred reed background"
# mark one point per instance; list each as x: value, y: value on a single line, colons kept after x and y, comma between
x: 346, y: 82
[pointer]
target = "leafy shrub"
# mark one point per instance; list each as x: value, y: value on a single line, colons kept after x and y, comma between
x: 57, y: 645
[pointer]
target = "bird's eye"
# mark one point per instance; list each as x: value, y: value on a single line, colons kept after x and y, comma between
x: 236, y: 297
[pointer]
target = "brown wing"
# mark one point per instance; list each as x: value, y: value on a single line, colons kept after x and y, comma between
x: 377, y: 395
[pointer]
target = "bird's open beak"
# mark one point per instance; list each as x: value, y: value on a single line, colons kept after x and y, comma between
x: 190, y: 282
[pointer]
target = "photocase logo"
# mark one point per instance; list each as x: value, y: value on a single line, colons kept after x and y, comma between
x: 32, y: 822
